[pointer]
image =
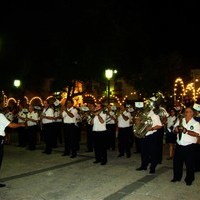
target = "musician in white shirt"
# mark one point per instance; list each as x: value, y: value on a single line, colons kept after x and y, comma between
x: 4, y: 122
x: 149, y: 149
x: 58, y: 125
x: 22, y: 134
x: 70, y: 129
x: 100, y: 135
x: 187, y: 131
x: 124, y: 140
x: 47, y: 117
x: 111, y: 127
x: 32, y: 127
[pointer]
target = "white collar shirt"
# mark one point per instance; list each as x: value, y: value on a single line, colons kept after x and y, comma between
x: 186, y: 139
x: 124, y: 123
x: 4, y: 122
x: 32, y: 115
x: 97, y: 125
x: 171, y: 120
x: 67, y: 119
x: 155, y: 122
x: 109, y: 120
x: 57, y: 114
x: 21, y: 114
x: 9, y: 116
x: 47, y: 112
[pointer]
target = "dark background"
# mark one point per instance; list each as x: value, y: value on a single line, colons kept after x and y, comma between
x: 149, y: 43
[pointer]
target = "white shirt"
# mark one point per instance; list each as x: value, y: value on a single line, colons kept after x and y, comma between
x: 4, y: 122
x: 21, y: 114
x: 171, y: 121
x: 67, y: 119
x: 121, y: 122
x: 57, y: 114
x: 109, y: 120
x: 9, y: 116
x: 98, y: 126
x: 186, y: 139
x: 32, y: 115
x: 47, y: 112
x: 155, y: 122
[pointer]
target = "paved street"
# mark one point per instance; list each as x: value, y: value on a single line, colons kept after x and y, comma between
x: 31, y: 175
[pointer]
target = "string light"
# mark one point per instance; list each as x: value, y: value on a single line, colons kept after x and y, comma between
x: 10, y: 99
x: 34, y: 98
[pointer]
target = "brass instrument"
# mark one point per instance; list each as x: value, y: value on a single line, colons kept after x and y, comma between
x: 142, y: 122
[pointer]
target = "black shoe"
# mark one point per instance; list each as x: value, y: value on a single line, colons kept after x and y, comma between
x: 152, y: 171
x: 188, y: 183
x: 48, y: 153
x: 141, y: 168
x: 73, y: 156
x: 103, y: 163
x: 96, y: 161
x: 120, y: 155
x: 175, y: 180
x: 44, y: 152
x: 65, y: 154
x: 128, y: 156
x: 89, y: 151
x: 2, y: 185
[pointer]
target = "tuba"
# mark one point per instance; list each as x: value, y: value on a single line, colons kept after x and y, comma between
x: 142, y: 121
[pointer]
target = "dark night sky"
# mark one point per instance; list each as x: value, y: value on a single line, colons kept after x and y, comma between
x: 51, y: 39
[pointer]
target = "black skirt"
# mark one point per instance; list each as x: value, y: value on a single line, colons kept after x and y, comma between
x: 170, y: 137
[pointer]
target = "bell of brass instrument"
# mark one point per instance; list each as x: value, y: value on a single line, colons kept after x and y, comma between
x: 142, y: 122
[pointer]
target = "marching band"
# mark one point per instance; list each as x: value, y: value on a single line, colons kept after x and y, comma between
x: 108, y: 127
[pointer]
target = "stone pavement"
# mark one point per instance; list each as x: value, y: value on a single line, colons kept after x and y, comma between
x: 31, y: 175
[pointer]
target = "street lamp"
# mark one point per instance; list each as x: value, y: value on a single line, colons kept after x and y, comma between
x: 109, y: 74
x: 17, y: 83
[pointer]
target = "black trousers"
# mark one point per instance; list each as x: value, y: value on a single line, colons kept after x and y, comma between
x: 160, y: 137
x: 90, y: 140
x: 137, y: 142
x: 100, y: 145
x: 22, y: 136
x: 124, y: 141
x: 1, y: 149
x: 57, y: 134
x: 32, y: 137
x: 70, y: 139
x: 111, y: 130
x: 184, y: 154
x: 197, y: 157
x: 47, y: 130
x: 149, y: 151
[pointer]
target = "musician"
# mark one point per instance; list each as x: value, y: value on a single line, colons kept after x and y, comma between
x: 124, y: 140
x: 187, y: 133
x: 22, y: 134
x: 111, y: 126
x: 100, y: 135
x: 89, y: 115
x: 47, y: 117
x: 163, y: 114
x: 32, y: 127
x: 149, y: 147
x: 4, y: 122
x: 170, y: 136
x: 58, y: 135
x: 196, y: 107
x: 10, y: 116
x: 69, y: 128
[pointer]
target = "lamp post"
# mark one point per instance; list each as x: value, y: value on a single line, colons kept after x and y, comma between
x: 109, y: 74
